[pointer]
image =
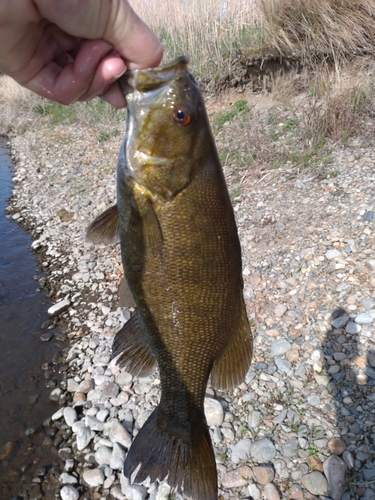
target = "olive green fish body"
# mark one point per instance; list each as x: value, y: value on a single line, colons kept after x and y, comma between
x: 182, y: 262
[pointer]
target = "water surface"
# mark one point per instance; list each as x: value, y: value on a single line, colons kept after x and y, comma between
x: 24, y: 398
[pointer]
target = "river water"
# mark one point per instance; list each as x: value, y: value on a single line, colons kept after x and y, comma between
x: 27, y: 449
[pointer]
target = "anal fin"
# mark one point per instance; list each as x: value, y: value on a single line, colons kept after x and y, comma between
x: 230, y: 368
x: 132, y: 344
x: 105, y: 228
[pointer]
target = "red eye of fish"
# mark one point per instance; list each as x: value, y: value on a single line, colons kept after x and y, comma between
x: 182, y: 115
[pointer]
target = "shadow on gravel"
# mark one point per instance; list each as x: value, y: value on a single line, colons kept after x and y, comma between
x: 348, y: 375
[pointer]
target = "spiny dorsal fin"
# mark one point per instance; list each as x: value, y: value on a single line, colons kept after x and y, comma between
x: 136, y: 356
x: 105, y: 228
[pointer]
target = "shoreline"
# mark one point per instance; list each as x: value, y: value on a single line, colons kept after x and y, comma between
x: 308, y: 249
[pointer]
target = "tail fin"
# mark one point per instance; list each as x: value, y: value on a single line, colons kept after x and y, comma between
x: 188, y: 461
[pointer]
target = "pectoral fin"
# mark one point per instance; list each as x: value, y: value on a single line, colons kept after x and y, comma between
x: 136, y: 356
x: 105, y: 228
x: 231, y: 366
x: 152, y: 234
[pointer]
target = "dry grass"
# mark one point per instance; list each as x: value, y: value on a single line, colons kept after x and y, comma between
x: 320, y: 29
x: 21, y: 109
x: 211, y: 32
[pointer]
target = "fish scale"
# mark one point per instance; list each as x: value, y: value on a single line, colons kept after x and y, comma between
x: 182, y: 261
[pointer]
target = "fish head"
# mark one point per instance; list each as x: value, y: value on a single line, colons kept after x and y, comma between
x: 166, y: 127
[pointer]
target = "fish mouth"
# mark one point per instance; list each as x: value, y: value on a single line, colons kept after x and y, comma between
x: 144, y: 80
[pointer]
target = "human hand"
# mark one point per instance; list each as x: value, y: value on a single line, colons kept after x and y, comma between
x: 68, y: 50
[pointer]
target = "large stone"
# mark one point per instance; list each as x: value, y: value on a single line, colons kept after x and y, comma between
x: 103, y: 455
x: 241, y: 450
x: 84, y: 436
x: 119, y: 435
x: 315, y: 483
x: 69, y: 493
x: 271, y: 492
x: 335, y: 472
x: 93, y: 477
x: 290, y: 448
x: 280, y: 347
x: 59, y: 307
x: 132, y: 491
x: 263, y: 475
x: 263, y: 451
x: 214, y: 412
x: 117, y: 457
x: 237, y: 478
x: 70, y: 415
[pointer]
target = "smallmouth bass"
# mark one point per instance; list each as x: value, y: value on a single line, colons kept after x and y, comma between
x: 182, y: 261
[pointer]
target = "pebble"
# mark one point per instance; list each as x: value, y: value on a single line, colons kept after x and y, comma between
x: 364, y: 318
x: 84, y: 436
x: 69, y: 493
x: 103, y: 455
x: 93, y: 477
x: 237, y: 478
x: 117, y: 457
x: 254, y: 492
x: 290, y: 447
x: 254, y: 419
x: 241, y: 450
x: 132, y: 491
x: 271, y: 492
x: 315, y: 483
x: 214, y: 412
x: 118, y: 434
x: 59, y: 307
x: 263, y: 451
x: 280, y: 347
x: 70, y: 415
x: 352, y: 328
x: 263, y: 475
x: 336, y: 446
x: 335, y: 471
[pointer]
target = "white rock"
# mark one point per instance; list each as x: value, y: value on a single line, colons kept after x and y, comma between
x: 58, y: 414
x: 70, y: 415
x: 69, y: 493
x: 102, y: 415
x: 93, y: 477
x: 84, y: 436
x: 103, y: 455
x: 66, y: 478
x: 132, y: 491
x: 332, y: 254
x: 94, y: 423
x: 214, y: 412
x: 241, y: 450
x: 59, y: 307
x: 117, y: 458
x: 254, y: 491
x: 119, y: 435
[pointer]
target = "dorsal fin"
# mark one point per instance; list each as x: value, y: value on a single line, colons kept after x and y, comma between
x: 105, y: 228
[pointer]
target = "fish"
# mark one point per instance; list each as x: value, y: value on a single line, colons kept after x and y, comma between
x: 182, y: 262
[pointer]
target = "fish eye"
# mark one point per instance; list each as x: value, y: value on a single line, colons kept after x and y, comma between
x: 182, y: 115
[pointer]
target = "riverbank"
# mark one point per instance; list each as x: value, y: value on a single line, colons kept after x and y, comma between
x: 302, y: 422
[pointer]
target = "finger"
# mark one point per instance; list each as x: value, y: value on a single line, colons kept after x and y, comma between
x: 114, y: 21
x: 115, y: 96
x: 69, y: 83
x: 110, y: 68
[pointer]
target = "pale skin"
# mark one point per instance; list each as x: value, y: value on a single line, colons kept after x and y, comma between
x: 69, y: 50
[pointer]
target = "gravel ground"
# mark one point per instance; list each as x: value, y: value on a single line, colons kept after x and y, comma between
x: 302, y: 423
